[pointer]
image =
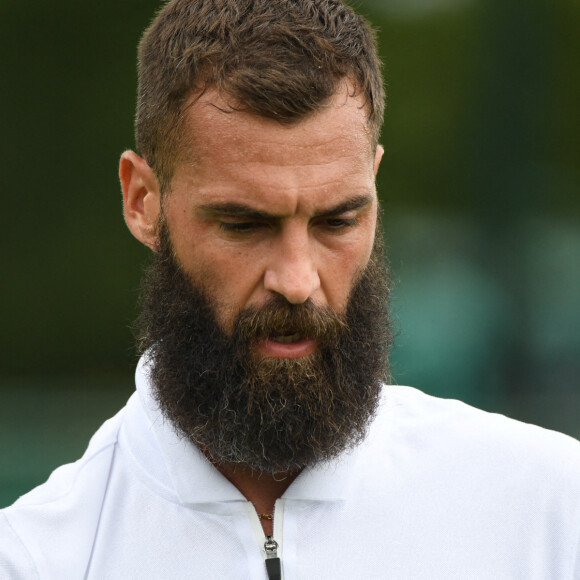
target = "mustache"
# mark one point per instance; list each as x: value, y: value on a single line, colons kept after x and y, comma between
x: 278, y: 317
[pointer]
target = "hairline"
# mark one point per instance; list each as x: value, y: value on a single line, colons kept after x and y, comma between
x: 184, y: 140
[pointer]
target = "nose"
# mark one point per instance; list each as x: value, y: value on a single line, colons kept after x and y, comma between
x: 292, y: 271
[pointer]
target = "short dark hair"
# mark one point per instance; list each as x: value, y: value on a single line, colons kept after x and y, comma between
x: 280, y: 59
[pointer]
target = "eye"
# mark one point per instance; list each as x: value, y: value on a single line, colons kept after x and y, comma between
x: 241, y: 227
x: 340, y: 223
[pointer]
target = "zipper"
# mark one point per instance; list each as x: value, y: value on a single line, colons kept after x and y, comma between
x: 271, y: 548
x: 273, y: 564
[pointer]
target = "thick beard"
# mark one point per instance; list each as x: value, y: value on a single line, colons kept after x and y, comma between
x: 268, y: 415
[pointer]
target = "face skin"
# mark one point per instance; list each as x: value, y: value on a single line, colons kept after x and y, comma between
x: 265, y: 209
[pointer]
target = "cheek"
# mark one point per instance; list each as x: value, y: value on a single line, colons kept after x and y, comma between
x: 203, y: 255
x: 228, y: 276
x: 341, y: 269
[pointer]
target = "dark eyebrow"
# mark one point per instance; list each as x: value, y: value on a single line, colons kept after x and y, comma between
x: 247, y: 212
x: 357, y: 202
x: 236, y: 209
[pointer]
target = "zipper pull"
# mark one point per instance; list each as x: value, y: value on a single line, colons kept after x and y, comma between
x: 273, y: 567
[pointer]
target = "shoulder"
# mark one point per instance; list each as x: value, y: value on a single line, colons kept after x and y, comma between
x: 410, y: 407
x: 452, y: 431
x: 473, y: 489
x: 60, y: 516
x: 445, y: 457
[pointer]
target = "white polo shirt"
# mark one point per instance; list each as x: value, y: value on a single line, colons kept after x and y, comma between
x: 438, y: 490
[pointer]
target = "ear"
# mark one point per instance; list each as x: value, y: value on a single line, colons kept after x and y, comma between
x: 141, y: 197
x: 378, y: 156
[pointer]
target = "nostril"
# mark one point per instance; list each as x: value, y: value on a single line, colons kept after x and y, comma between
x: 292, y: 274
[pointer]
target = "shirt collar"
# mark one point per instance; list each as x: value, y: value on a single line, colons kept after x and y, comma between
x: 196, y: 480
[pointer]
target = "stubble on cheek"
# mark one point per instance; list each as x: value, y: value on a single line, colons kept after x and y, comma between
x: 215, y: 288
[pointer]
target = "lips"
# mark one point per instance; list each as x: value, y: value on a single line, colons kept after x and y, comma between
x: 286, y: 346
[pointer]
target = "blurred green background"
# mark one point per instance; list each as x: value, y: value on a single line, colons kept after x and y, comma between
x: 480, y: 188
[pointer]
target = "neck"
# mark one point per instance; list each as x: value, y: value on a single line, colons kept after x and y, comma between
x: 262, y: 489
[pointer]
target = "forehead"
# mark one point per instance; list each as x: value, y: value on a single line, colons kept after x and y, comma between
x: 237, y: 152
x: 344, y: 115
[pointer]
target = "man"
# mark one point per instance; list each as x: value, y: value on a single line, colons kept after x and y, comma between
x: 261, y: 442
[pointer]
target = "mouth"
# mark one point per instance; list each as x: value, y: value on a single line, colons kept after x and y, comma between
x: 293, y: 345
x: 287, y: 338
